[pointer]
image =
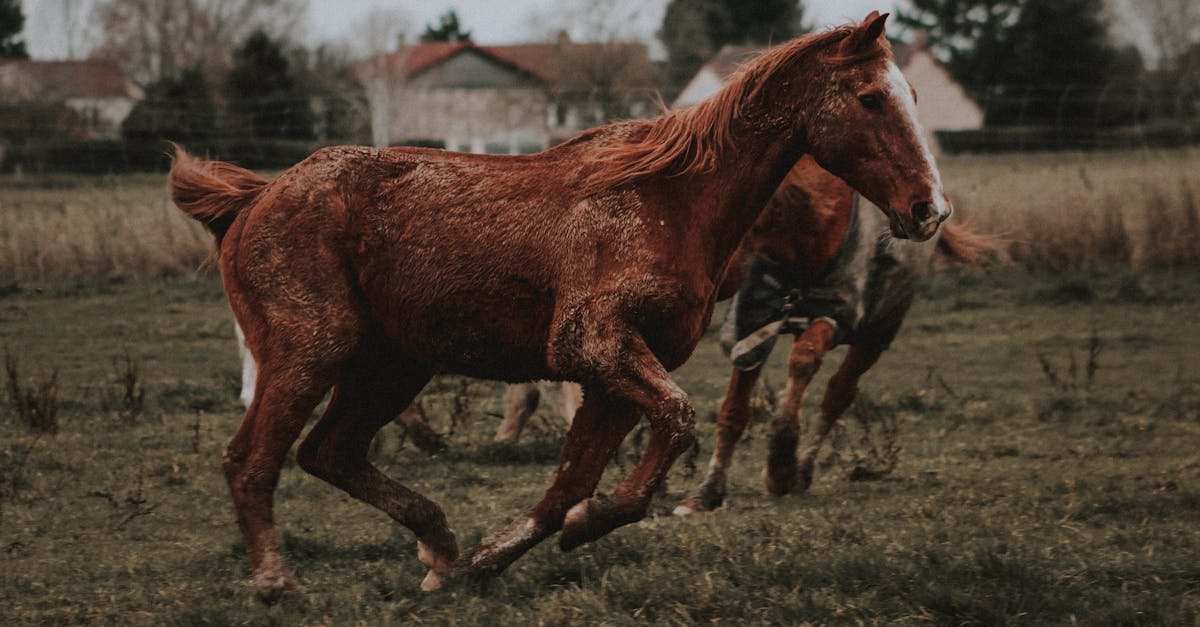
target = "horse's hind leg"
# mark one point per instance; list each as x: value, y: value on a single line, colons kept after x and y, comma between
x: 807, y: 353
x: 839, y: 394
x: 373, y: 388
x: 731, y: 423
x: 285, y: 397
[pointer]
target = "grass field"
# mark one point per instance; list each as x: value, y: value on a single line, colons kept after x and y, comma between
x: 1047, y: 417
x: 1015, y: 500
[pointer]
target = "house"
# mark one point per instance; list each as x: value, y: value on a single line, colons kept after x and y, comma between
x: 512, y: 99
x: 942, y: 104
x: 98, y: 94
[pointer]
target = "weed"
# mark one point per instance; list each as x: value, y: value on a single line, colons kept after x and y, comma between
x: 878, y: 448
x: 136, y: 504
x: 1071, y: 388
x: 36, y: 403
x: 126, y: 375
x: 13, y: 462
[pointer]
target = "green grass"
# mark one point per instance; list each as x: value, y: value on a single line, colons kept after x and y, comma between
x: 1015, y: 501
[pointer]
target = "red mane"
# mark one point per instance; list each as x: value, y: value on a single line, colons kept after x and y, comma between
x: 688, y: 140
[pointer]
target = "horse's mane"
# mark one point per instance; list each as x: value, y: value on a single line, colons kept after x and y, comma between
x: 689, y: 140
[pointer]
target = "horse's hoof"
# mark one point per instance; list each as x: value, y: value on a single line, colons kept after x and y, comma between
x: 273, y: 588
x: 687, y: 508
x: 438, y: 566
x: 426, y: 555
x: 780, y: 479
x: 431, y: 582
x: 804, y: 478
x: 696, y: 504
x: 577, y: 525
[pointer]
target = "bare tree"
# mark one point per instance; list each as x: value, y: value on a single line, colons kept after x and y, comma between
x: 1170, y: 28
x: 605, y: 71
x: 381, y: 29
x: 155, y: 39
x: 593, y: 20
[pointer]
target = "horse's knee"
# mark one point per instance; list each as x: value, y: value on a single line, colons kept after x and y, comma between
x: 677, y: 420
x: 804, y: 361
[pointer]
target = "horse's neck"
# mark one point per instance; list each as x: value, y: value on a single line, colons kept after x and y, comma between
x: 725, y: 202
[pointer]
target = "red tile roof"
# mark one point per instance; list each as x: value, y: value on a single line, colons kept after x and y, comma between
x: 540, y: 60
x: 59, y: 80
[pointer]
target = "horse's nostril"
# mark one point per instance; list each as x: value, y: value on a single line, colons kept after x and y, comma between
x: 922, y: 211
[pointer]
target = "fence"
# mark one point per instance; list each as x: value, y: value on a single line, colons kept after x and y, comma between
x: 40, y: 138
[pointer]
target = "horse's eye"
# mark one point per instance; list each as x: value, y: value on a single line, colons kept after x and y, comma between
x: 872, y: 102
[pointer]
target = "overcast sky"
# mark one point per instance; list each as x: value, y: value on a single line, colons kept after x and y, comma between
x: 490, y: 21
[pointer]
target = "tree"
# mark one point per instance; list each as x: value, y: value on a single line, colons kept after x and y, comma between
x: 12, y: 21
x: 265, y: 100
x: 694, y: 30
x: 380, y: 29
x: 176, y: 109
x: 608, y: 74
x: 1170, y: 28
x: 156, y: 39
x: 972, y: 36
x: 448, y: 29
x: 1028, y: 60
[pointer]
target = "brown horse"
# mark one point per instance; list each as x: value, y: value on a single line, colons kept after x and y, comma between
x: 845, y: 283
x: 596, y: 261
x: 805, y: 230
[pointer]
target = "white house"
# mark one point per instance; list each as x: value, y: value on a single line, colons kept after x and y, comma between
x: 96, y: 91
x: 499, y: 99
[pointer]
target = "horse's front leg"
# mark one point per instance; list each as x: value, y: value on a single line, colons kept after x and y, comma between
x: 782, y: 473
x: 731, y: 423
x: 600, y: 425
x: 638, y: 377
x: 839, y: 394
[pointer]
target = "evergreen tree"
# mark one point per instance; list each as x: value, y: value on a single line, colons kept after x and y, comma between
x: 694, y: 30
x: 265, y: 100
x: 12, y: 20
x: 974, y: 36
x: 448, y: 29
x: 1028, y: 61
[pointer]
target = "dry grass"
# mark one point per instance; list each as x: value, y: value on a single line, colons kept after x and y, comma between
x: 1060, y: 211
x: 1067, y: 211
x: 110, y: 228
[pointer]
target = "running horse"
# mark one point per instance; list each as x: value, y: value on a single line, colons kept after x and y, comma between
x: 370, y: 270
x: 818, y: 264
x: 823, y: 268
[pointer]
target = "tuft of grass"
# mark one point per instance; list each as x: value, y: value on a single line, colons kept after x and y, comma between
x: 36, y: 403
x: 132, y: 394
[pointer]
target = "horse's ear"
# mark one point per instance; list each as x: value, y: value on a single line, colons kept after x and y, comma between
x: 866, y: 35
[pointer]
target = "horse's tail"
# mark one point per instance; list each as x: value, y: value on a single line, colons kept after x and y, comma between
x: 962, y: 245
x: 212, y: 192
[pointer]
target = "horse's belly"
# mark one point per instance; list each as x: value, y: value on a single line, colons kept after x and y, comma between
x: 497, y: 333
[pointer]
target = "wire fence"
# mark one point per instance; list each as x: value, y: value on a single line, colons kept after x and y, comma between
x: 98, y: 137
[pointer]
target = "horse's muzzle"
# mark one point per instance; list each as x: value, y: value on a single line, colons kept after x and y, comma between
x: 922, y: 221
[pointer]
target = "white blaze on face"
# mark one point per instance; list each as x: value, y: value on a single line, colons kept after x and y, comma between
x: 902, y: 92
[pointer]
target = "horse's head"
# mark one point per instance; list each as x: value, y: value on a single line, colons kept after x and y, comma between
x: 865, y: 131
